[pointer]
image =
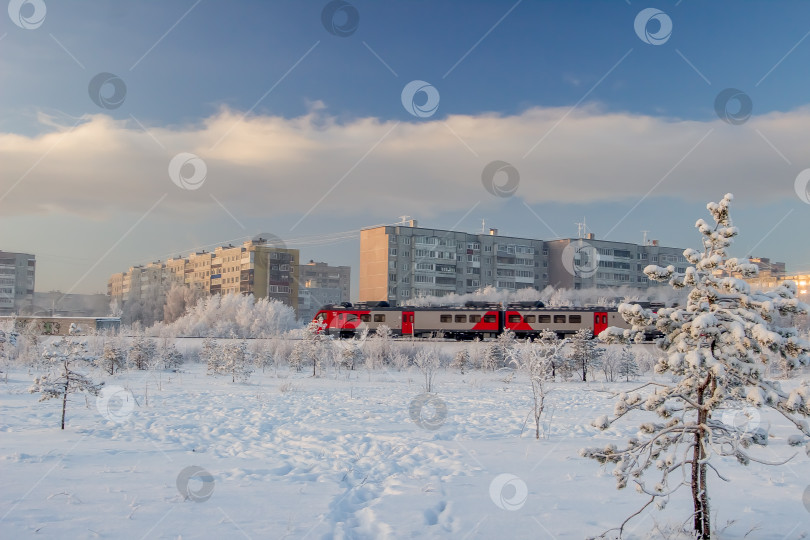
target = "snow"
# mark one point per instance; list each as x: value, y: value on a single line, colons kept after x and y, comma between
x: 340, y: 457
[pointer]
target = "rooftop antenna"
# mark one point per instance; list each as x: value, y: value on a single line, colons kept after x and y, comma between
x: 582, y: 229
x: 404, y: 219
x: 483, y: 226
x: 645, y: 238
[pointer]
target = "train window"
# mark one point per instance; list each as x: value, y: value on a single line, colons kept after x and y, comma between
x: 445, y: 318
x: 559, y: 319
x: 575, y: 318
x: 321, y: 317
x: 475, y: 318
x: 461, y: 318
x: 365, y: 317
x: 604, y: 319
x: 529, y: 318
x: 489, y: 318
x: 351, y: 317
x: 514, y: 318
x: 379, y: 317
x: 544, y: 318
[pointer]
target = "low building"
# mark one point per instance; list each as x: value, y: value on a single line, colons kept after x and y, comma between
x: 59, y: 304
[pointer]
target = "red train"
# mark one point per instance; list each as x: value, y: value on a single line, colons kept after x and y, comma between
x: 473, y: 320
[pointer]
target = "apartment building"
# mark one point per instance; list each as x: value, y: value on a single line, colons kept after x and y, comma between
x: 255, y: 268
x: 321, y: 275
x: 401, y: 262
x: 311, y: 299
x: 582, y: 263
x: 17, y: 278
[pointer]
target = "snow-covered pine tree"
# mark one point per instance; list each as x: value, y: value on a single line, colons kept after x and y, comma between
x: 141, y: 352
x: 8, y: 344
x: 64, y: 359
x: 167, y: 356
x: 551, y: 347
x: 716, y: 348
x: 113, y: 358
x: 349, y: 355
x: 310, y: 349
x: 211, y: 354
x: 628, y: 366
x: 585, y: 354
x: 236, y: 361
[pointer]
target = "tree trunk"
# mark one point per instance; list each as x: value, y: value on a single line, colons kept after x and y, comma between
x: 65, y: 394
x: 700, y: 494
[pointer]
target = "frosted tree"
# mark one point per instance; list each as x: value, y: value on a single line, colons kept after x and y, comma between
x: 8, y: 344
x: 428, y: 361
x: 310, y: 349
x: 628, y: 366
x: 551, y: 347
x: 585, y: 354
x: 64, y: 359
x: 609, y: 364
x: 211, y: 354
x: 167, y: 356
x: 112, y: 358
x: 378, y: 347
x: 29, y: 349
x: 242, y: 315
x: 141, y: 353
x: 349, y: 355
x: 235, y: 361
x: 263, y: 354
x: 716, y: 348
x: 461, y: 360
x: 536, y: 361
x: 498, y: 351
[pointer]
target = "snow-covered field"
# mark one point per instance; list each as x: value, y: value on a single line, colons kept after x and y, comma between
x: 300, y: 457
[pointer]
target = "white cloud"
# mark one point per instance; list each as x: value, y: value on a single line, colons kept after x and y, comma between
x: 272, y: 165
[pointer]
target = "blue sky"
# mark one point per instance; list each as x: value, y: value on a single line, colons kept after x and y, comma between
x: 603, y: 108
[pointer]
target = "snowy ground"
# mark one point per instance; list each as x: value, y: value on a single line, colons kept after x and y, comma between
x: 297, y: 457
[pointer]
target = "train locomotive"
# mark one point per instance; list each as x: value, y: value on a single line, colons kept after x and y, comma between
x: 473, y: 320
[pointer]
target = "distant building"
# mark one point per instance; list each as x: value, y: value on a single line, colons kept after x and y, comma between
x: 255, y: 267
x: 401, y: 262
x: 311, y: 299
x: 803, y: 283
x: 583, y: 263
x: 17, y: 277
x: 321, y: 275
